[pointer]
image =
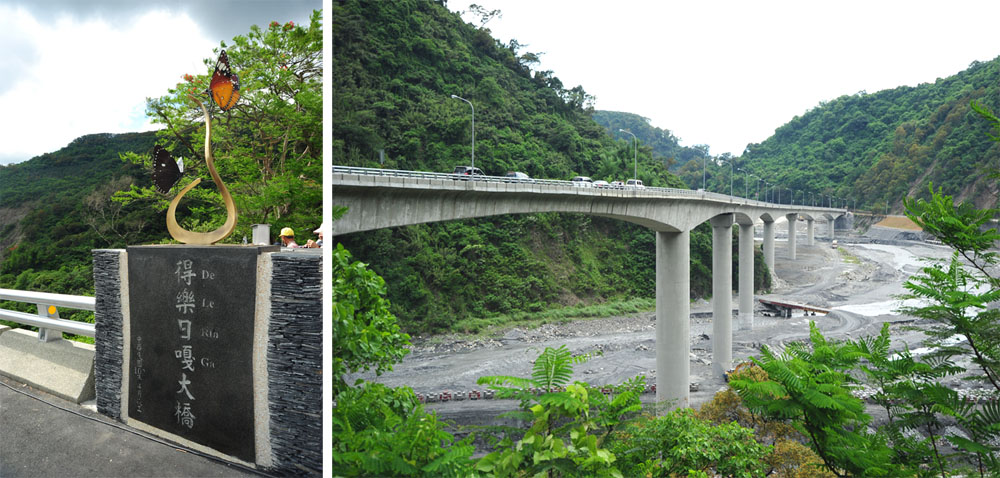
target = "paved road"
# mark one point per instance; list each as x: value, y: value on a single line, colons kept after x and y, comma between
x: 39, y: 439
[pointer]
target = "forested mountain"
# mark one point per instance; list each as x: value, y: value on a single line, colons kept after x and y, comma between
x: 879, y: 147
x: 397, y: 64
x: 664, y: 145
x: 56, y: 207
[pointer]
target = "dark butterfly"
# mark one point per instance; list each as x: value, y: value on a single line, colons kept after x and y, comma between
x: 225, y: 86
x: 166, y: 171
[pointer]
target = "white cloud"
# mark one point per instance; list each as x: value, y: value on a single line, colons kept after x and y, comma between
x: 91, y: 76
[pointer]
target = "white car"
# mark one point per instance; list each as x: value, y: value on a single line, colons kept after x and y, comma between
x: 617, y: 185
x: 634, y: 184
x: 582, y: 182
x: 600, y: 184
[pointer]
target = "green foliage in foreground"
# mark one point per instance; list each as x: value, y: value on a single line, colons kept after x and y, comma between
x: 680, y: 442
x: 381, y: 431
x: 364, y: 333
x: 810, y: 386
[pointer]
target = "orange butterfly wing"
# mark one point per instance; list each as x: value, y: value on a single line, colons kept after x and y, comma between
x: 225, y: 86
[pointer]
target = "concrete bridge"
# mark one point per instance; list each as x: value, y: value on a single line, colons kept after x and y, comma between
x: 378, y: 198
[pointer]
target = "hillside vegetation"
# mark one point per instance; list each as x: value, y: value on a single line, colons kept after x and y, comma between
x: 664, y: 145
x: 398, y: 64
x: 880, y: 147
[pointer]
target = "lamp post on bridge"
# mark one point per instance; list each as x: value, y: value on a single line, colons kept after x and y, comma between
x: 746, y: 182
x: 473, y: 128
x: 635, y: 156
x: 730, y: 178
x: 759, y: 180
x: 704, y: 164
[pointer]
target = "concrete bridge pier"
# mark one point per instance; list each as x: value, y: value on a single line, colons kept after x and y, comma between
x: 809, y: 232
x: 673, y: 327
x: 746, y: 277
x: 792, y: 218
x: 769, y: 243
x: 722, y: 294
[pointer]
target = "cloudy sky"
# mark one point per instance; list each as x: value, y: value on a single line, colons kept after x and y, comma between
x: 727, y: 73
x: 75, y: 67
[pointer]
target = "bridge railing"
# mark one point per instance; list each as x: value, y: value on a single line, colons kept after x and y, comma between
x: 50, y: 326
x: 649, y: 190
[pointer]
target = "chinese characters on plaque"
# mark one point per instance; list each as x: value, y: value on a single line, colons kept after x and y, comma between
x: 192, y: 325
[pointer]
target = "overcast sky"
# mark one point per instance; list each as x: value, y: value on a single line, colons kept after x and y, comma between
x: 75, y: 67
x: 728, y: 73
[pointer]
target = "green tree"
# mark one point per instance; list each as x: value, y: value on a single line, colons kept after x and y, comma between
x: 377, y: 430
x: 810, y: 387
x: 268, y: 148
x: 681, y: 444
x: 364, y: 333
x: 959, y: 302
x: 570, y: 421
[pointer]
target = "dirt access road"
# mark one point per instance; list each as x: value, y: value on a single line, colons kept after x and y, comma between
x: 858, y: 281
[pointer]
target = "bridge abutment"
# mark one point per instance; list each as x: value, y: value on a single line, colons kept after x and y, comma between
x: 722, y: 294
x: 673, y: 308
x: 746, y: 276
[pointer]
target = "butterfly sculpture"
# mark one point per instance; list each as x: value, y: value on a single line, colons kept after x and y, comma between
x: 225, y: 86
x: 166, y: 171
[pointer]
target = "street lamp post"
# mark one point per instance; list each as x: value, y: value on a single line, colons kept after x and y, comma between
x: 746, y: 182
x: 635, y: 156
x: 704, y: 163
x: 730, y: 178
x: 473, y: 128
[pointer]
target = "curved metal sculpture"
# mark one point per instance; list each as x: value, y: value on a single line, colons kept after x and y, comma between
x: 203, y: 238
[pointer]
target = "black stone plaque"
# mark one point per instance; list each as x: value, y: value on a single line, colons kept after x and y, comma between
x: 191, y: 342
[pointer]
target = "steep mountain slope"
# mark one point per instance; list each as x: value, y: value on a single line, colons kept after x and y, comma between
x: 55, y: 208
x: 879, y: 147
x: 397, y: 65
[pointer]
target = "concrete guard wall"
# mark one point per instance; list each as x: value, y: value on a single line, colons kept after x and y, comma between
x: 293, y: 355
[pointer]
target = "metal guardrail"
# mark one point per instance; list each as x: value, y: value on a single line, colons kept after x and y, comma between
x: 648, y: 190
x: 47, y: 320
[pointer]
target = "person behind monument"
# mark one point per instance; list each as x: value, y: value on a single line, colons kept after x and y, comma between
x: 317, y: 243
x: 288, y: 238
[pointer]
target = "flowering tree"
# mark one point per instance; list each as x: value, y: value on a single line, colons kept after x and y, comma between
x: 268, y: 148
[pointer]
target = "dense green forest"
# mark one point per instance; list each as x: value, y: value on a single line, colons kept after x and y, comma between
x: 56, y: 208
x: 96, y: 192
x: 877, y: 148
x: 398, y: 63
x: 664, y: 145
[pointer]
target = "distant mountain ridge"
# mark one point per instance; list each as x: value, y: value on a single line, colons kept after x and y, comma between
x: 877, y: 148
x: 664, y: 145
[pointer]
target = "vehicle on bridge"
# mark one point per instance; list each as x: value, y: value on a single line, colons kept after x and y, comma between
x: 517, y: 176
x: 468, y: 171
x: 634, y: 184
x: 617, y: 185
x: 601, y: 184
x: 582, y: 182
